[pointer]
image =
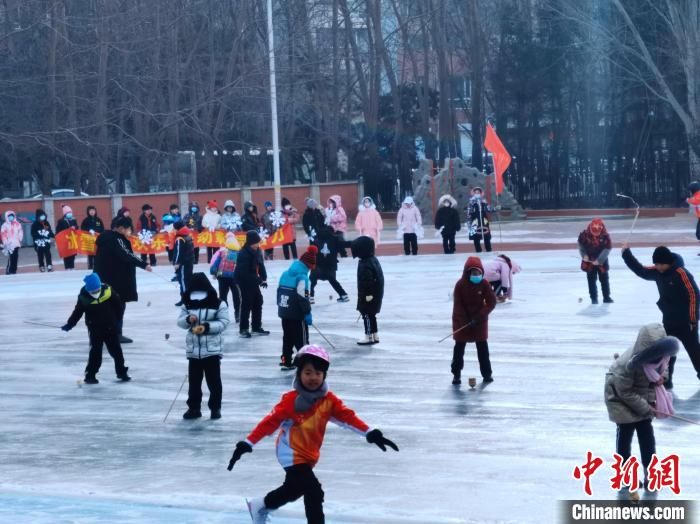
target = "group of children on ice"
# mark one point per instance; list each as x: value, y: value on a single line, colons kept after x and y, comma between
x: 637, y: 383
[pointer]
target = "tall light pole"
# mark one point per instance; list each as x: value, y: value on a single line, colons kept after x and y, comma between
x: 273, y: 107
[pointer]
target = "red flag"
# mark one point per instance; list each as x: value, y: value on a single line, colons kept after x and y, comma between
x: 501, y: 157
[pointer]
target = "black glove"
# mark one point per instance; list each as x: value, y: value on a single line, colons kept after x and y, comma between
x: 375, y: 437
x: 241, y: 448
x: 66, y: 327
x: 263, y: 284
x: 472, y: 323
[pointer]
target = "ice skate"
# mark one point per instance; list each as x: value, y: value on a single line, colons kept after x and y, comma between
x: 258, y: 512
x: 343, y: 298
x: 367, y: 341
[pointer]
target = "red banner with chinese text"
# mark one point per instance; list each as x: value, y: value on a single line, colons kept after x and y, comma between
x: 71, y: 242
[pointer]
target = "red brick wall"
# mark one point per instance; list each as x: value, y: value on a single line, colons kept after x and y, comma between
x: 20, y: 206
x: 220, y: 195
x: 160, y: 202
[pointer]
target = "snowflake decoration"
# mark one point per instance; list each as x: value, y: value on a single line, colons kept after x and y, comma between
x: 263, y: 234
x: 236, y: 222
x: 277, y: 219
x: 324, y: 250
x: 312, y: 234
x: 146, y: 237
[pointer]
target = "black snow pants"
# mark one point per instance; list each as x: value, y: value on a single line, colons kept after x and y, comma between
x: 482, y: 353
x: 299, y: 481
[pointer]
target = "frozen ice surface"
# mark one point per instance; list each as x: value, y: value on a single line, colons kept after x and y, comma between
x: 504, y: 453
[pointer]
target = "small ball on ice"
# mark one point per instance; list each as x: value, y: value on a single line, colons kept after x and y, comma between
x: 148, y: 304
x: 330, y: 297
x: 167, y: 336
x: 580, y: 299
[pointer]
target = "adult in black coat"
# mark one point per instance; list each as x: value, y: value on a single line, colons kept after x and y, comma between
x: 148, y: 222
x: 678, y: 300
x: 312, y: 220
x: 329, y: 246
x: 41, y: 236
x: 93, y: 225
x: 370, y: 287
x: 116, y: 263
x: 250, y: 276
x: 447, y: 222
x: 250, y: 220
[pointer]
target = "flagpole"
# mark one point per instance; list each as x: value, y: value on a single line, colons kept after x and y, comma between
x: 273, y: 108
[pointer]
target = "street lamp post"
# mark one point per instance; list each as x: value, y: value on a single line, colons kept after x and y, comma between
x: 273, y: 107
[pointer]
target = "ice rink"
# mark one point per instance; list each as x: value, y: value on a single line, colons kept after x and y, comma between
x: 504, y: 453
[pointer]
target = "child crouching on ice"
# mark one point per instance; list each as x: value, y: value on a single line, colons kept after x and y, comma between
x: 302, y: 415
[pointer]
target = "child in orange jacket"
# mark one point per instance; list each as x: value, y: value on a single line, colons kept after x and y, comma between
x: 302, y: 415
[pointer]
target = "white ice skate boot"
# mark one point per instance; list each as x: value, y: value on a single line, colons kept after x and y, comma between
x: 258, y: 512
x: 368, y: 340
x: 375, y: 338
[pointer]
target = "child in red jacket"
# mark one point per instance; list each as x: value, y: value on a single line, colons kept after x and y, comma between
x: 302, y: 415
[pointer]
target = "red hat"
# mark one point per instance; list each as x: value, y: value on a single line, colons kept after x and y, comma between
x: 212, y: 204
x: 309, y: 257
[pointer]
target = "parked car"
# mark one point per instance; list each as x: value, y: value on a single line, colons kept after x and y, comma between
x: 60, y: 193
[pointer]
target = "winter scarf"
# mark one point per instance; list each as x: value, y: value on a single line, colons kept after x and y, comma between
x: 305, y: 398
x: 664, y: 398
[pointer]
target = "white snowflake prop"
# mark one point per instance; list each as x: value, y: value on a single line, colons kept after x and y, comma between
x: 325, y: 249
x: 263, y: 234
x: 146, y: 237
x: 277, y: 219
x: 312, y: 234
x: 237, y: 222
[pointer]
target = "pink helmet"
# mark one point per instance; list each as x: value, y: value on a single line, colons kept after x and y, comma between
x: 313, y: 351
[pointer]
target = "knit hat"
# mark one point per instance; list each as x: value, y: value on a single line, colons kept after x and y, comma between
x: 309, y: 257
x: 66, y: 209
x: 285, y: 202
x: 408, y: 200
x: 662, y: 255
x: 92, y: 282
x: 268, y: 203
x: 311, y: 203
x: 212, y: 204
x: 252, y: 237
x: 232, y: 242
x: 167, y: 218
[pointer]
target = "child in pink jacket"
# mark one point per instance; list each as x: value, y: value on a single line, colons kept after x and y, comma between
x: 410, y: 225
x: 368, y: 222
x: 338, y: 220
x: 499, y: 272
x: 12, y: 235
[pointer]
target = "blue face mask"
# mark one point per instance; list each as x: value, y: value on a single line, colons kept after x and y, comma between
x: 194, y: 209
x: 69, y: 215
x: 11, y: 218
x: 42, y: 217
x: 475, y: 279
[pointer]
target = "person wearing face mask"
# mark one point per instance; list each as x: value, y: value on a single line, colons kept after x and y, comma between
x: 473, y: 301
x: 479, y: 220
x: 447, y: 222
x: 409, y: 226
x: 116, y: 263
x: 93, y: 225
x: 12, y: 235
x: 102, y: 308
x: 67, y: 222
x: 368, y: 221
x: 42, y: 235
x: 594, y: 244
x: 205, y: 317
x: 292, y: 217
x: 268, y: 222
x: 193, y: 221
